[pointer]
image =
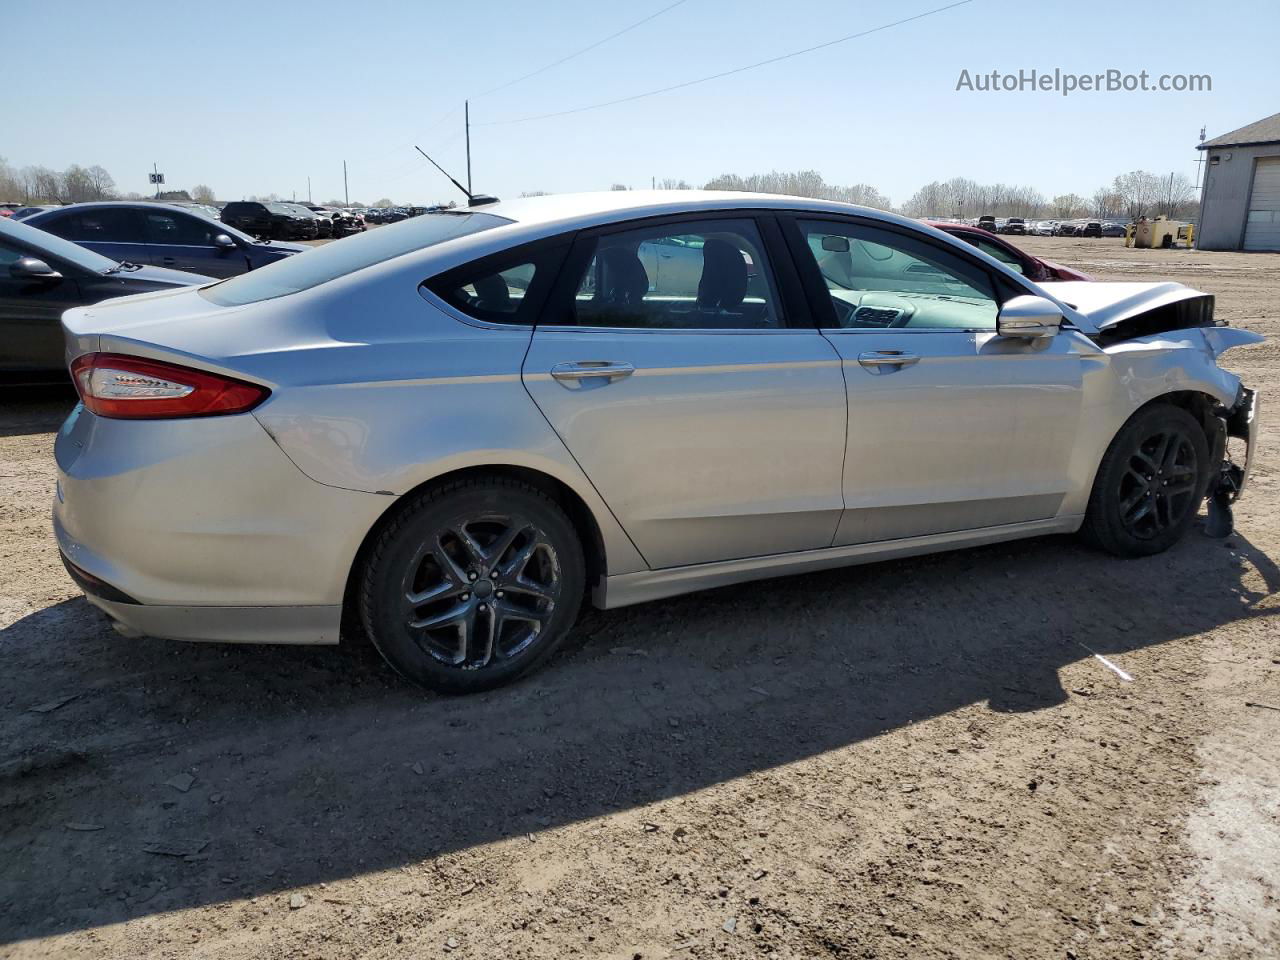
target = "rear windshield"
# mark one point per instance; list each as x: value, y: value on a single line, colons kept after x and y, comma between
x: 302, y: 271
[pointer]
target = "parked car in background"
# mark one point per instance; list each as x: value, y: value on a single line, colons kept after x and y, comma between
x: 8, y: 209
x: 204, y: 209
x: 1044, y: 228
x: 345, y: 222
x: 394, y: 215
x: 1066, y: 228
x: 373, y: 215
x: 987, y: 222
x: 1112, y: 229
x: 1015, y: 225
x: 458, y: 480
x: 161, y: 235
x: 271, y: 220
x: 41, y: 275
x: 1091, y: 228
x: 1032, y: 267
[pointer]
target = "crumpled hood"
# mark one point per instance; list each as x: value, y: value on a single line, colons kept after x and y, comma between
x: 1106, y: 303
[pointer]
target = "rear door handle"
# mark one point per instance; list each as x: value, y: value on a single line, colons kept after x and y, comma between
x: 591, y: 369
x: 875, y: 359
x: 170, y: 261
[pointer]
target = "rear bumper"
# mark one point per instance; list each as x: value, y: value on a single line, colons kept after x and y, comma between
x: 208, y: 529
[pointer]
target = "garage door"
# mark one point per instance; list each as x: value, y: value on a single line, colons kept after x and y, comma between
x: 1262, y: 231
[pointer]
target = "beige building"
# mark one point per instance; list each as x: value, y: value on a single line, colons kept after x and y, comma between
x: 1240, y: 204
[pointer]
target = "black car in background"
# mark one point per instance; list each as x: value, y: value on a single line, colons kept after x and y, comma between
x: 272, y: 220
x: 1016, y: 226
x: 161, y: 235
x: 1091, y: 229
x: 42, y: 275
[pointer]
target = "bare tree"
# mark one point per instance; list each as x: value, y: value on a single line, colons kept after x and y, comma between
x: 384, y: 202
x: 803, y: 183
x: 1139, y: 191
x: 619, y: 186
x: 101, y: 184
x: 1067, y: 206
x: 1175, y: 195
x: 667, y: 183
x: 535, y: 193
x: 202, y: 193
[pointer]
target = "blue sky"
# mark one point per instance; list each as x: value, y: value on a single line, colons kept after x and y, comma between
x: 253, y: 97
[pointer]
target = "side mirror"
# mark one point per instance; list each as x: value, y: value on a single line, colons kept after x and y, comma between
x: 224, y: 242
x: 1029, y: 318
x: 29, y: 268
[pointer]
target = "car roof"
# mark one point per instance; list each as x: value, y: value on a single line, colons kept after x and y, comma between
x: 587, y: 209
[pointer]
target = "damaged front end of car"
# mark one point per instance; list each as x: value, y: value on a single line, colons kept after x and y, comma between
x: 1169, y: 342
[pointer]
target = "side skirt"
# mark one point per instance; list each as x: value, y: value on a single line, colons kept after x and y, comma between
x: 628, y: 588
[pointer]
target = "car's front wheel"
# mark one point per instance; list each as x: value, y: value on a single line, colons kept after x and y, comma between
x: 472, y: 584
x: 1150, y: 483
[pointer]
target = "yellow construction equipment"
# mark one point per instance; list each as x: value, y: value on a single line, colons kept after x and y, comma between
x: 1157, y: 233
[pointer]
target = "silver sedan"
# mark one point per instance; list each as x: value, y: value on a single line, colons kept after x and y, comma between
x: 455, y: 429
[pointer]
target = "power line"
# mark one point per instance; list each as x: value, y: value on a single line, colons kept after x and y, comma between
x: 726, y: 73
x: 587, y: 49
x: 543, y: 69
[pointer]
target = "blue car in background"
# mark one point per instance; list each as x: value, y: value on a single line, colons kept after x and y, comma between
x: 161, y: 235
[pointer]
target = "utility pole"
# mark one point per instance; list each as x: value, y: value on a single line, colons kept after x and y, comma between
x: 155, y: 167
x: 466, y: 107
x: 346, y: 196
x: 309, y: 200
x: 1199, y: 159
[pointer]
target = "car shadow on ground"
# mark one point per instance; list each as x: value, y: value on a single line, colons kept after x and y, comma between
x: 315, y: 764
x: 31, y: 410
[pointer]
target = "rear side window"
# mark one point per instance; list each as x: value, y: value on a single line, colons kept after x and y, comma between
x: 703, y: 274
x: 508, y: 288
x: 107, y: 225
x: 322, y: 264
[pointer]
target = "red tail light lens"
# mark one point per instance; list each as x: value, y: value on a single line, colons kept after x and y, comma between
x: 132, y: 388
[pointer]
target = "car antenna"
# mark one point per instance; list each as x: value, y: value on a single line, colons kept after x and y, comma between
x: 473, y: 199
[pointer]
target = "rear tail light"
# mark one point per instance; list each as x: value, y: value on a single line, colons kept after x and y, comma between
x: 131, y: 388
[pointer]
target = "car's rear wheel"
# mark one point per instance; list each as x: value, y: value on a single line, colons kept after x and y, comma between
x: 472, y: 584
x: 1149, y: 484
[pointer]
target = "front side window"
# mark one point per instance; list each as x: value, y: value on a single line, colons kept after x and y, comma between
x: 704, y: 274
x: 880, y: 278
x: 995, y: 250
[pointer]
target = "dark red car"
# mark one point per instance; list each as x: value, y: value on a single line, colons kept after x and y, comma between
x: 1033, y: 268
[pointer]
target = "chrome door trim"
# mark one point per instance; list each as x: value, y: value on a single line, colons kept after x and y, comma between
x: 591, y: 369
x: 628, y: 588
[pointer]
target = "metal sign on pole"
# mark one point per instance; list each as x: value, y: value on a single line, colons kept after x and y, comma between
x: 157, y: 178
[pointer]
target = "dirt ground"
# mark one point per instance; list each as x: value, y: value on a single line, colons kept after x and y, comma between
x: 919, y: 759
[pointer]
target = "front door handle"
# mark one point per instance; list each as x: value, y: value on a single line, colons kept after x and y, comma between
x: 877, y: 359
x: 591, y: 369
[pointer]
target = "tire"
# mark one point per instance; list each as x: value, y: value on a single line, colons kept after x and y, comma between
x: 1150, y: 483
x: 472, y: 585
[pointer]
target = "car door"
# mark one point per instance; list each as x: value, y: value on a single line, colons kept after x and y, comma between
x: 183, y: 242
x: 114, y: 232
x: 708, y: 412
x: 30, y: 317
x: 951, y: 426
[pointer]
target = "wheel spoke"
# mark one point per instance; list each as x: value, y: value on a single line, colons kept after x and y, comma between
x: 503, y: 543
x: 510, y: 611
x: 1171, y: 454
x: 1130, y: 502
x: 490, y: 632
x: 474, y: 550
x: 440, y: 591
x: 448, y: 565
x: 1142, y: 510
x: 526, y: 586
x: 455, y: 614
x: 516, y: 566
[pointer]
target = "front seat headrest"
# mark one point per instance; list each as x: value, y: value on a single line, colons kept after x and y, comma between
x: 623, y: 278
x: 724, y: 276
